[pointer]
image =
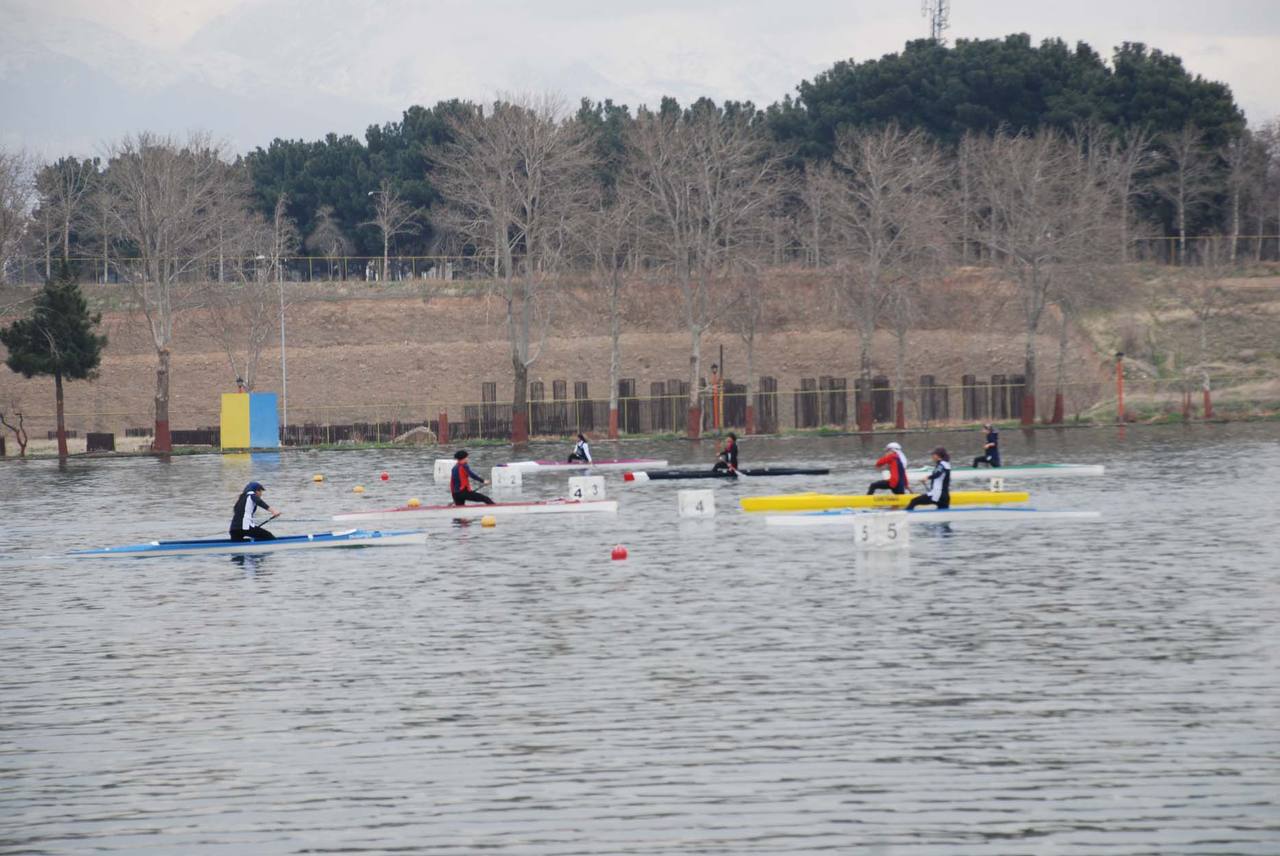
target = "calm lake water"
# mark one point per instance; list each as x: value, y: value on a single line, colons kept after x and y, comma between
x: 730, y: 688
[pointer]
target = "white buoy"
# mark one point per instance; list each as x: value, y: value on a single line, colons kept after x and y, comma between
x: 506, y: 477
x: 444, y: 469
x: 586, y: 487
x: 696, y: 503
x: 881, y: 531
x: 997, y: 484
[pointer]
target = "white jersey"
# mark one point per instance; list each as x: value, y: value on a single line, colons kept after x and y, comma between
x: 583, y: 451
x: 939, y: 479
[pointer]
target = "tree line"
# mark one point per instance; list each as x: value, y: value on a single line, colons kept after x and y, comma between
x: 1042, y: 163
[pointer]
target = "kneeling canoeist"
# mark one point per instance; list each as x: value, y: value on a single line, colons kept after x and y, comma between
x: 938, y: 490
x: 896, y: 463
x: 990, y: 448
x: 460, y: 481
x: 728, y: 457
x: 242, y: 526
x: 581, y: 452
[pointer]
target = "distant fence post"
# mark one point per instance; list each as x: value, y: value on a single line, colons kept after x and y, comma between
x: 442, y: 428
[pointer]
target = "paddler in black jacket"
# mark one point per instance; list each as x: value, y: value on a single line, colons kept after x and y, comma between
x: 990, y: 448
x: 242, y: 525
x: 938, y: 491
x: 728, y: 457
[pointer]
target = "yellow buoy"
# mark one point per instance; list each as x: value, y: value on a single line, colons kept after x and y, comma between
x: 413, y: 502
x: 318, y: 477
x: 358, y: 489
x: 488, y: 521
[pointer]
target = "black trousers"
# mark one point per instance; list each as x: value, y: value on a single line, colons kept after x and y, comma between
x: 574, y: 456
x: 460, y: 497
x: 988, y: 458
x: 883, y: 484
x: 257, y: 533
x: 925, y: 499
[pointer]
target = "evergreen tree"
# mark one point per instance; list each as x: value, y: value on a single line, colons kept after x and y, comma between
x: 56, y: 339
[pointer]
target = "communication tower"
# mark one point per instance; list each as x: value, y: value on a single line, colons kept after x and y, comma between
x: 937, y: 11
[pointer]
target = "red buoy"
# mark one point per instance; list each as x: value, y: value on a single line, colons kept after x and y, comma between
x: 384, y: 475
x: 619, y: 552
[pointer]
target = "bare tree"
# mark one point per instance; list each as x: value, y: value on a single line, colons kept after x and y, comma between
x: 514, y: 181
x: 1240, y: 156
x: 1037, y: 203
x: 887, y: 205
x: 1199, y: 290
x: 1189, y: 181
x: 1130, y: 156
x: 701, y: 176
x: 64, y: 187
x: 15, y: 425
x: 393, y: 216
x: 327, y: 238
x: 240, y: 315
x: 16, y: 191
x: 163, y: 197
x: 1267, y: 184
x: 607, y: 234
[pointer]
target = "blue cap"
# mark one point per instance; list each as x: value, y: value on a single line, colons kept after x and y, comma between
x: 253, y: 486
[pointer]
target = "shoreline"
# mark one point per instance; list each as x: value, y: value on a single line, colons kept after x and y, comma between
x: 1008, y: 425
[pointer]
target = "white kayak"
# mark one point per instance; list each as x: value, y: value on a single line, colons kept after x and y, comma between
x: 579, y: 466
x: 1026, y: 471
x: 979, y: 513
x: 348, y: 538
x: 458, y: 512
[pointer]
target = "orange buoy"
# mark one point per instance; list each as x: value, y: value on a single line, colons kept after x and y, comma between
x: 358, y: 489
x: 414, y: 502
x: 619, y: 552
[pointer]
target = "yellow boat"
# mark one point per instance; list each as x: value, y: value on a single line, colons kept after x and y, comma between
x: 824, y: 501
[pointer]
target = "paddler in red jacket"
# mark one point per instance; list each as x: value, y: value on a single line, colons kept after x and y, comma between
x: 896, y: 463
x: 460, y: 481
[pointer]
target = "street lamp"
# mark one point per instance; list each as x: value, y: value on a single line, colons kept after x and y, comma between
x: 284, y: 368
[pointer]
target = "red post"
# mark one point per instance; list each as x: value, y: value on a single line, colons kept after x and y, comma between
x: 519, y: 428
x: 1208, y: 404
x: 162, y: 441
x: 613, y: 423
x: 866, y: 416
x: 1120, y: 387
x: 1029, y: 408
x: 900, y: 417
x: 751, y: 419
x: 1059, y: 409
x: 442, y: 435
x: 694, y: 426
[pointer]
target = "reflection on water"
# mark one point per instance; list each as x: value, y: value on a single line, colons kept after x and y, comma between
x: 729, y: 688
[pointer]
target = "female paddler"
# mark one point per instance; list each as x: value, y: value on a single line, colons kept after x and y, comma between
x: 990, y: 447
x: 937, y: 483
x: 581, y: 451
x: 896, y: 463
x: 242, y: 526
x: 460, y: 481
x: 728, y: 457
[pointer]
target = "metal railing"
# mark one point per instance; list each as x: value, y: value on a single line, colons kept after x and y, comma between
x: 32, y: 270
x: 827, y: 408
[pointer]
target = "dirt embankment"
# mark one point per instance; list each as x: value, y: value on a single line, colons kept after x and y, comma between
x: 361, y: 352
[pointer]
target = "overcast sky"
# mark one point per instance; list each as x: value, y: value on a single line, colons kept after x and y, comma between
x: 76, y: 73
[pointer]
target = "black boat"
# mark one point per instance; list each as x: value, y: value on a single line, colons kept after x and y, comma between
x: 749, y: 472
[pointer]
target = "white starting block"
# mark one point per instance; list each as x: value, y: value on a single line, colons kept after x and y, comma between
x: 444, y: 469
x: 882, y: 530
x: 996, y: 484
x: 506, y: 477
x: 586, y: 487
x: 696, y: 503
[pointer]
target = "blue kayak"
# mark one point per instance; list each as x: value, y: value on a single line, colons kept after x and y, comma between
x: 347, y: 538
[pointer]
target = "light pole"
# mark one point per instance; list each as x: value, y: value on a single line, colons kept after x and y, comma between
x: 284, y: 367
